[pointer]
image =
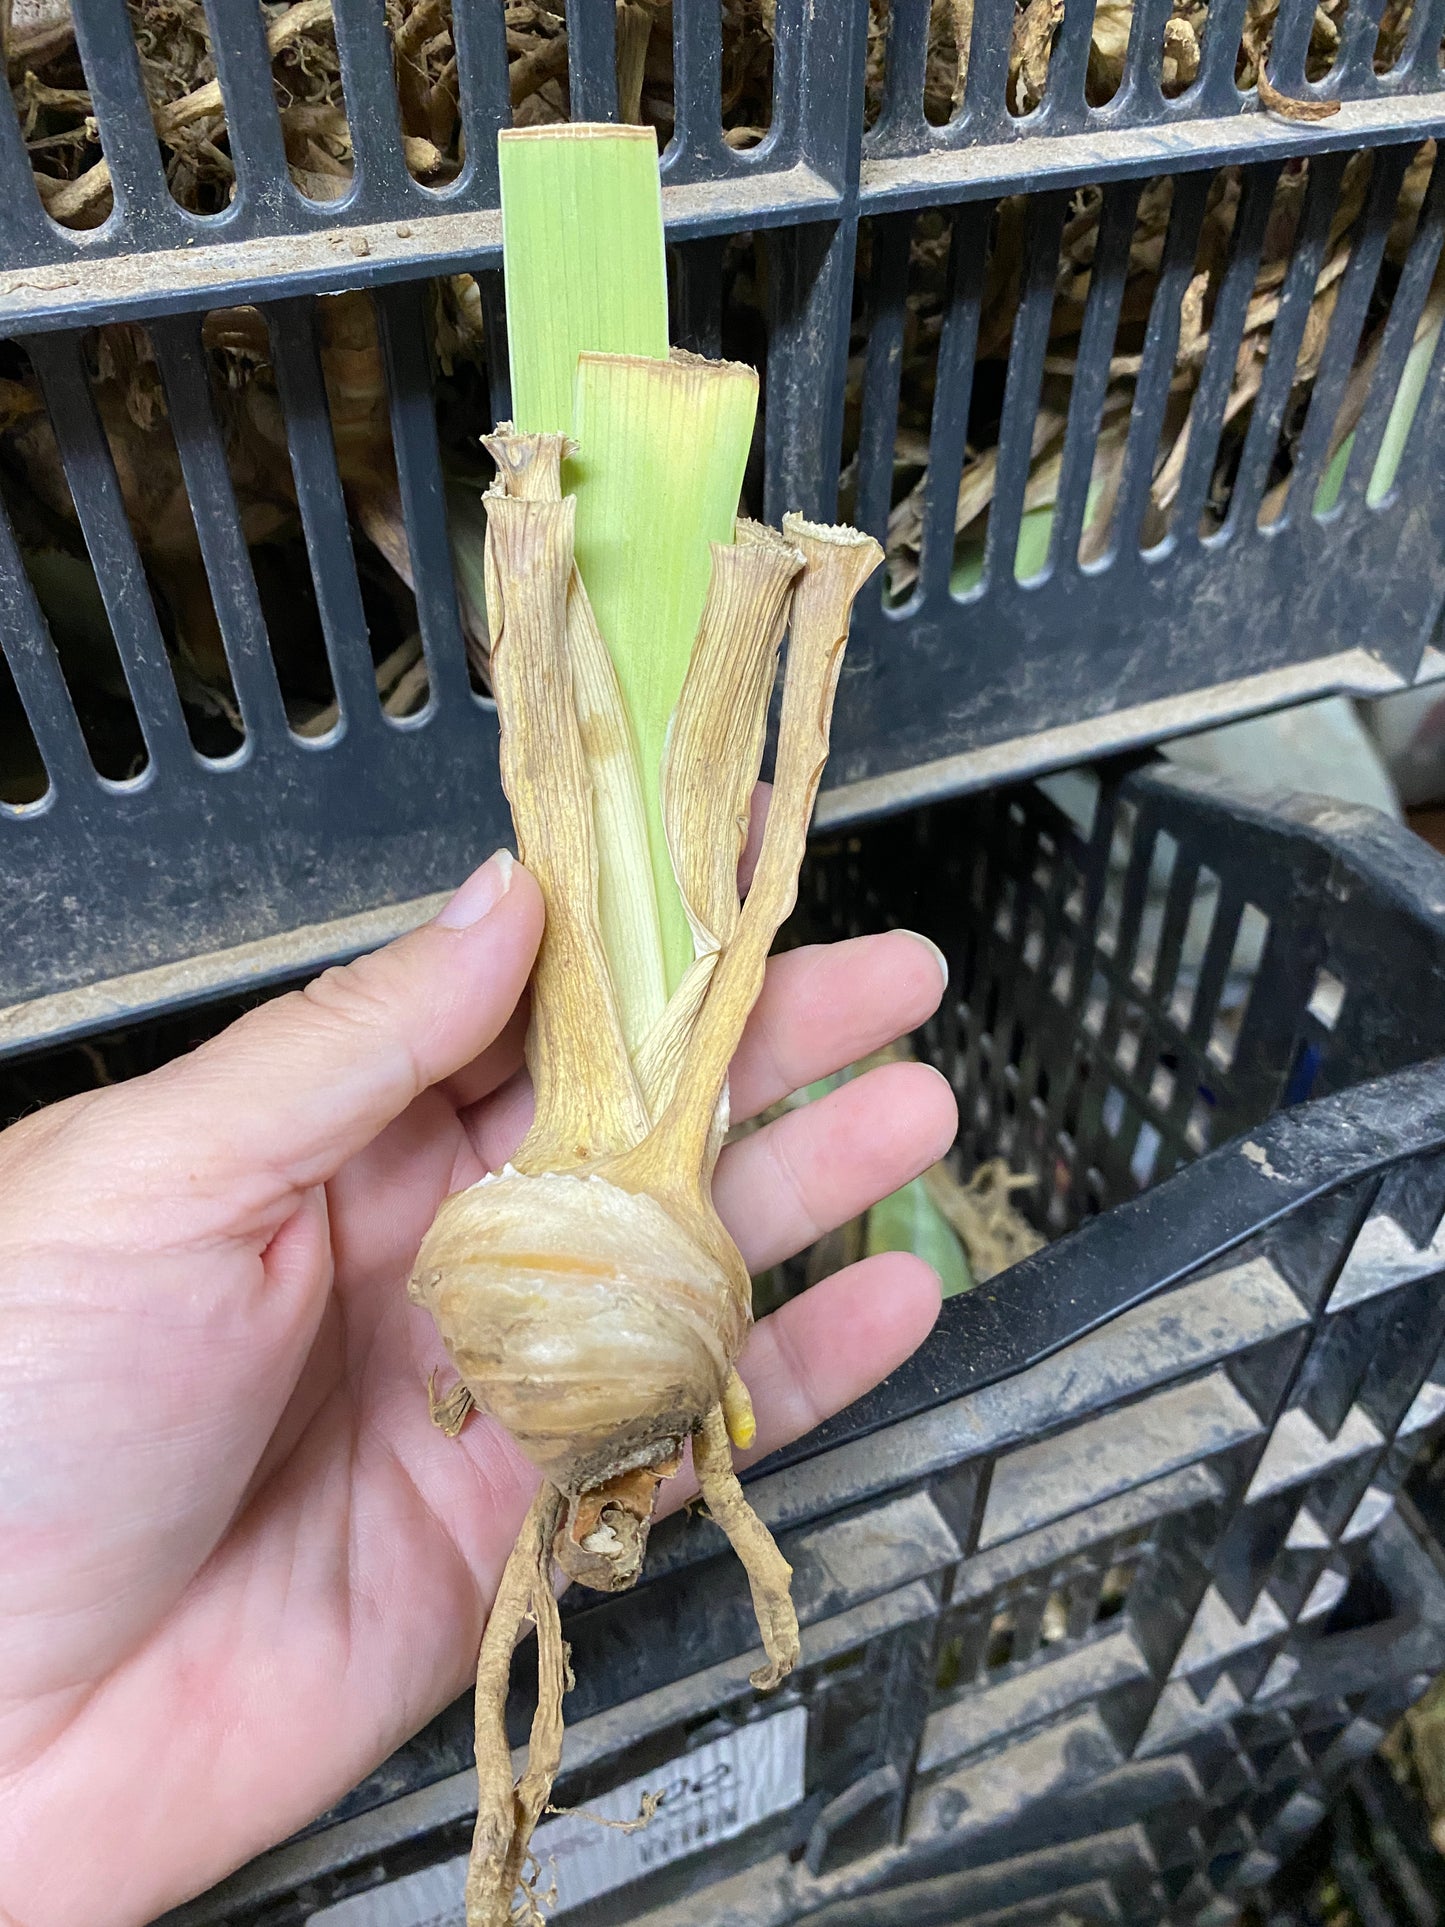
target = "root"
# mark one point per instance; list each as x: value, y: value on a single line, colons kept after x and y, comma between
x: 605, y: 1535
x: 507, y: 1814
x: 737, y: 1407
x: 450, y: 1411
x: 647, y: 1810
x: 768, y: 1571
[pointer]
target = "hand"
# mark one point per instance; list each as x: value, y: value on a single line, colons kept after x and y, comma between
x: 239, y: 1564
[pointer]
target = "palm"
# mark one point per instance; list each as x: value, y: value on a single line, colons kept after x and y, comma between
x: 313, y: 1584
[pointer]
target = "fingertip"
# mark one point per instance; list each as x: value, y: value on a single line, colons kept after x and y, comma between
x: 480, y: 893
x: 918, y: 1102
x: 941, y: 1107
x: 825, y: 1006
x: 483, y: 939
x: 892, y: 1300
x: 824, y: 1349
x: 917, y: 971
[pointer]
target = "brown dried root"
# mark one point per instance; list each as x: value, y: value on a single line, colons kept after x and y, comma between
x: 994, y: 1234
x: 769, y: 1574
x: 449, y: 1411
x: 1287, y: 107
x: 507, y: 1814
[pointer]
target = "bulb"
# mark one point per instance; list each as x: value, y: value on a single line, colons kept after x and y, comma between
x: 581, y: 1317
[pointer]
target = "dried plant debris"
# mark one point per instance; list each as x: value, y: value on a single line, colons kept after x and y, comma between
x: 173, y: 39
x: 968, y: 1230
x: 926, y: 304
x: 1414, y: 1751
x: 1035, y: 31
x: 131, y: 401
x: 49, y: 88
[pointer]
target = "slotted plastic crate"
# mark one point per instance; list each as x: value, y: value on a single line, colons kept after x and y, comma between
x: 181, y: 874
x: 1104, y: 1589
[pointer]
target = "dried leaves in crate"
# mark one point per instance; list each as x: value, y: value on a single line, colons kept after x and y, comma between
x: 173, y: 40
x: 968, y: 1230
x: 131, y: 401
x: 999, y: 304
x: 51, y: 96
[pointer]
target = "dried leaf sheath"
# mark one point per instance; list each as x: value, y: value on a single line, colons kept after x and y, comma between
x: 715, y: 745
x: 710, y: 768
x: 626, y: 897
x: 674, y: 1162
x: 588, y: 1102
x: 530, y: 467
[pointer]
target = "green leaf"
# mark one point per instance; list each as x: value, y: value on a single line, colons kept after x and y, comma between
x: 662, y: 442
x: 1403, y: 410
x: 1333, y: 479
x: 1402, y: 414
x: 911, y: 1221
x: 659, y: 469
x: 1031, y: 553
x: 1036, y: 528
x: 583, y: 254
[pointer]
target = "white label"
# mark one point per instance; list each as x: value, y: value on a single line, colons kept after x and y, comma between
x: 712, y: 1794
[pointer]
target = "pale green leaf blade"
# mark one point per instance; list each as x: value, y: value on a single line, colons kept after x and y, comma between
x: 1402, y: 415
x: 661, y: 450
x: 583, y: 254
x: 909, y: 1220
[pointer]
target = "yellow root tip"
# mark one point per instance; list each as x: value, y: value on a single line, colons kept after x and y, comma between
x: 738, y: 1413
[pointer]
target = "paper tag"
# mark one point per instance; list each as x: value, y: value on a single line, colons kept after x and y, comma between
x: 712, y: 1794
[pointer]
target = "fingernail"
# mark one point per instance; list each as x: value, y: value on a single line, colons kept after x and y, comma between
x: 481, y: 892
x: 933, y: 950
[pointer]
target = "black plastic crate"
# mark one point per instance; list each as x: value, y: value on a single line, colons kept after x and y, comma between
x: 1120, y: 1548
x: 184, y: 872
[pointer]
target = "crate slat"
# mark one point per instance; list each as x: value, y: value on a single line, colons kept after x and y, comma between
x: 1027, y: 349
x: 1290, y: 322
x: 1398, y: 339
x: 1091, y: 370
x: 592, y: 59
x: 883, y: 368
x: 953, y: 393
x: 904, y: 74
x: 383, y: 187
x: 1151, y: 391
x: 1357, y: 284
x: 696, y: 147
x: 699, y: 285
x: 401, y: 315
x: 1226, y: 330
x: 182, y: 360
x: 119, y: 572
x: 253, y: 124
x: 37, y: 673
x: 479, y: 34
x: 322, y: 504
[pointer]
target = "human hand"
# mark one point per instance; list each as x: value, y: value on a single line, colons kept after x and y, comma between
x: 240, y: 1565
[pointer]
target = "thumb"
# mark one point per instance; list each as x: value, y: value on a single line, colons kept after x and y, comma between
x: 295, y: 1088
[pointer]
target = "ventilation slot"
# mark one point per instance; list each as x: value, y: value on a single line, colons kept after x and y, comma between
x: 56, y: 111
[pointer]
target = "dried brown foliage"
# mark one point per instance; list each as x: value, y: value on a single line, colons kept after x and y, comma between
x: 49, y: 90
x: 924, y: 321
